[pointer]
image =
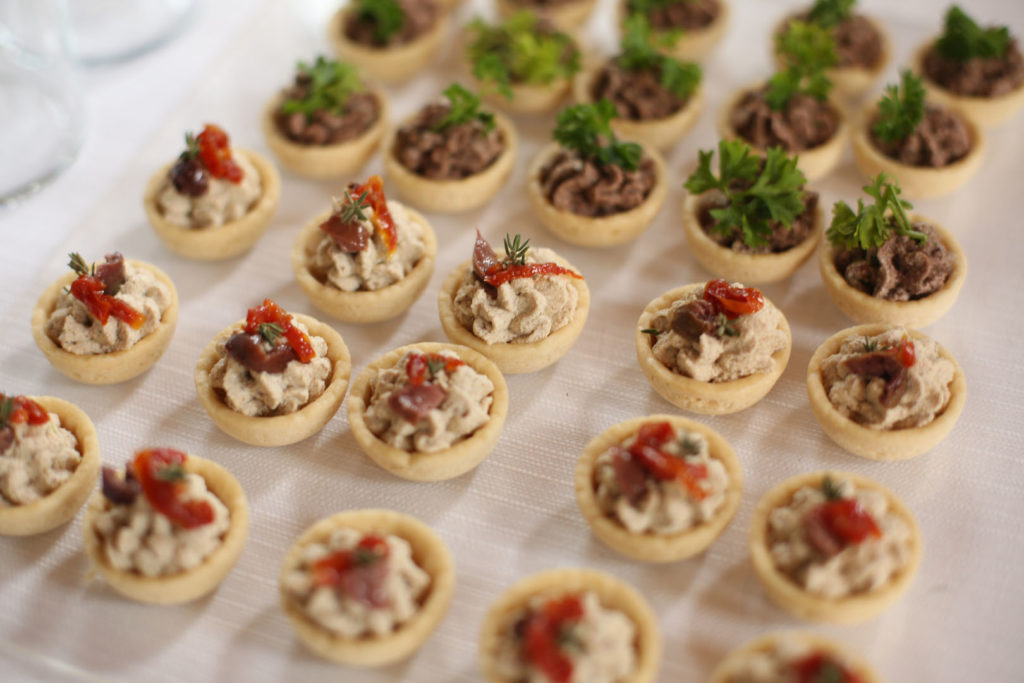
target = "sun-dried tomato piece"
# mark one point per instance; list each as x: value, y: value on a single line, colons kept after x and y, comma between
x: 421, y: 366
x: 215, y: 153
x: 496, y: 272
x: 648, y: 451
x: 630, y: 476
x: 839, y: 523
x: 819, y: 667
x: 382, y: 220
x: 358, y: 573
x: 906, y: 353
x: 22, y: 409
x: 90, y: 291
x: 161, y: 474
x: 544, y: 634
x: 270, y: 312
x: 733, y: 301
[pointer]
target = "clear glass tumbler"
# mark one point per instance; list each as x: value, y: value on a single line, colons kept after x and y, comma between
x: 116, y: 30
x: 41, y: 108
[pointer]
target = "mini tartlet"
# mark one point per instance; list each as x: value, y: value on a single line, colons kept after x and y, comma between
x: 656, y: 547
x: 800, y: 602
x: 707, y: 398
x: 692, y: 43
x: 428, y: 551
x: 463, y: 455
x: 612, y: 593
x: 62, y: 504
x: 831, y: 653
x: 567, y: 15
x: 115, y: 366
x: 881, y: 444
x: 362, y: 306
x: 190, y: 584
x: 276, y: 430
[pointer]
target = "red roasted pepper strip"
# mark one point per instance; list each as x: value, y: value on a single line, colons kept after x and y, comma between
x: 270, y: 312
x: 733, y: 301
x: 848, y: 521
x: 647, y: 449
x: 359, y: 573
x: 24, y: 409
x: 159, y: 471
x: 89, y: 290
x: 818, y: 667
x: 543, y: 633
x: 382, y: 220
x: 906, y: 353
x: 417, y: 368
x: 496, y: 272
x: 216, y: 154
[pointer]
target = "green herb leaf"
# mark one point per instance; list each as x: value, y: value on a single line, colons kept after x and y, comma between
x: 465, y: 107
x: 639, y: 54
x: 829, y: 13
x: 900, y: 109
x: 191, y: 148
x: 387, y: 17
x: 171, y: 473
x: 807, y: 50
x: 962, y: 39
x: 331, y: 84
x: 586, y: 129
x: 870, y: 345
x: 872, y: 226
x: 6, y: 408
x: 725, y: 327
x: 650, y: 330
x: 271, y: 332
x: 434, y: 366
x: 78, y: 264
x: 689, y: 444
x: 831, y: 489
x: 515, y: 250
x: 364, y: 556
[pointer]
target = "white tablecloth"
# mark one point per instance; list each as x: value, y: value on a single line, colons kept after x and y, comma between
x: 516, y: 514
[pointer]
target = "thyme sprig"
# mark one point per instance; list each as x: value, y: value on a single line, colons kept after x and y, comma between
x: 353, y: 209
x: 78, y: 264
x: 6, y: 409
x: 586, y: 129
x: 515, y: 250
x: 872, y: 226
x: 271, y: 332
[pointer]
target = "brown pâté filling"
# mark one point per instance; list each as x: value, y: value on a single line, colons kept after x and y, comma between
x: 586, y: 188
x: 419, y: 16
x: 902, y: 269
x: 940, y: 139
x: 805, y: 123
x: 684, y: 14
x: 324, y: 127
x: 451, y: 153
x: 781, y: 238
x: 637, y: 94
x: 858, y: 43
x: 977, y: 77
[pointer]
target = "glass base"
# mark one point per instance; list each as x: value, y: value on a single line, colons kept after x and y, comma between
x: 105, y: 31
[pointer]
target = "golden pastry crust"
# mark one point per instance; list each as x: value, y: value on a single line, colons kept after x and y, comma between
x: 797, y: 601
x: 733, y: 663
x: 450, y: 196
x: 864, y: 308
x: 880, y: 444
x: 451, y: 462
x: 514, y: 359
x: 324, y: 162
x: 529, y: 98
x: 428, y: 551
x: 223, y: 241
x: 916, y: 182
x: 738, y: 266
x: 107, y: 368
x: 187, y: 585
x: 604, y: 231
x: 649, y: 547
x: 707, y: 398
x: 613, y: 593
x: 362, y: 306
x: 277, y: 430
x: 658, y: 133
x: 567, y: 17
x: 816, y: 162
x: 62, y: 504
x: 695, y: 44
x: 391, y: 65
x: 985, y: 111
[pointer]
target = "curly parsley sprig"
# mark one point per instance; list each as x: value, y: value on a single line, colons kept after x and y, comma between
x: 331, y: 83
x: 829, y: 13
x: 900, y: 109
x: 638, y: 54
x: 586, y: 129
x: 758, y: 192
x: 963, y: 39
x: 464, y: 108
x: 386, y: 16
x: 807, y: 50
x: 872, y: 226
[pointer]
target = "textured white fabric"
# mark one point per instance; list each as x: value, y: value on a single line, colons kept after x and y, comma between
x: 516, y: 514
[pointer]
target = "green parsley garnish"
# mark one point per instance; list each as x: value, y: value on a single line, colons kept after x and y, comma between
x: 386, y: 16
x: 516, y: 51
x: 639, y: 54
x: 900, y: 109
x: 758, y: 193
x: 807, y: 50
x: 962, y: 39
x: 829, y: 13
x: 331, y: 84
x: 465, y: 107
x: 586, y: 129
x: 515, y: 250
x: 872, y: 226
x: 270, y: 332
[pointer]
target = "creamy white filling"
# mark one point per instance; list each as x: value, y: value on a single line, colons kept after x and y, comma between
x: 522, y: 311
x: 39, y: 459
x: 405, y: 585
x: 75, y: 330
x: 223, y: 201
x: 775, y: 664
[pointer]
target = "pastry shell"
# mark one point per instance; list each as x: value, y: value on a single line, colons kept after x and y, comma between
x: 462, y: 456
x: 691, y: 44
x: 514, y: 359
x: 277, y: 430
x: 880, y: 444
x: 862, y: 307
x: 613, y: 593
x: 566, y: 16
x: 62, y: 504
x: 428, y: 551
x: 734, y: 662
x: 362, y: 306
x: 457, y: 195
x: 529, y: 98
x: 190, y: 584
x: 738, y: 266
x: 658, y: 133
x: 651, y: 547
x: 707, y: 398
x: 816, y: 162
x: 106, y: 368
x: 222, y: 241
x: 603, y: 231
x: 325, y: 162
x: 799, y: 602
x: 985, y: 111
x: 916, y: 182
x: 391, y: 65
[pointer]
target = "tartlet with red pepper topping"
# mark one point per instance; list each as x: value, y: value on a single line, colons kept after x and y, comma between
x: 713, y: 348
x: 428, y: 411
x: 275, y: 378
x: 357, y: 574
x: 523, y: 311
x: 801, y: 657
x: 834, y: 547
x: 660, y: 488
x: 368, y: 259
x: 168, y: 529
x: 549, y: 624
x: 106, y: 322
x: 215, y: 201
x: 49, y: 460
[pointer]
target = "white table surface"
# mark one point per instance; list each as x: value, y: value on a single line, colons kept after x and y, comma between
x: 516, y: 514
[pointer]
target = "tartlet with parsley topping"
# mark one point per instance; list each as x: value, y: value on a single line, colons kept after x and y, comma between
x: 684, y: 29
x: 565, y: 15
